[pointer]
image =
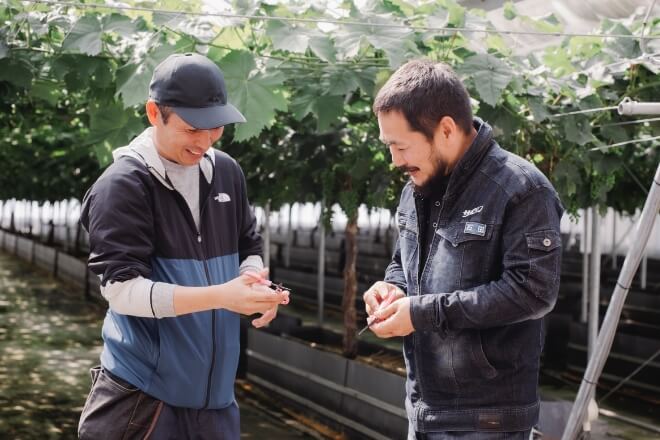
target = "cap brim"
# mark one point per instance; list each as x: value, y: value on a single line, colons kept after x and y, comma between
x: 207, y: 118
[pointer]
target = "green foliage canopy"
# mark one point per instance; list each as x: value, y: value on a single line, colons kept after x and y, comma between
x: 74, y: 80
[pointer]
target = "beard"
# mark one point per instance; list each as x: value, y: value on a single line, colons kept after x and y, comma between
x: 441, y: 171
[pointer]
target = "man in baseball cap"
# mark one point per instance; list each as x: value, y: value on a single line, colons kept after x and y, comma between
x: 171, y: 237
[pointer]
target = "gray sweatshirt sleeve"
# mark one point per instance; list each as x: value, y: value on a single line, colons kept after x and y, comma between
x: 140, y: 297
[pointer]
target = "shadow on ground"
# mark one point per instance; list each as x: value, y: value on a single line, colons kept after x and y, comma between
x: 49, y: 338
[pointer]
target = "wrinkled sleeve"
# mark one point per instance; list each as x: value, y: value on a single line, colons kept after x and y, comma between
x: 117, y: 213
x: 249, y: 240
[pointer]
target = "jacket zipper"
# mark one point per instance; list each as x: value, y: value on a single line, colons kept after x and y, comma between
x: 208, y: 281
x: 207, y: 398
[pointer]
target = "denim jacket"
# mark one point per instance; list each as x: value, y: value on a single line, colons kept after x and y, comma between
x: 492, y: 273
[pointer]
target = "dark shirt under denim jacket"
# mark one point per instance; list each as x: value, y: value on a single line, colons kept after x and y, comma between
x: 491, y: 274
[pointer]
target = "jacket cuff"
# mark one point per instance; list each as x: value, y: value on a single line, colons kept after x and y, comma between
x: 425, y: 313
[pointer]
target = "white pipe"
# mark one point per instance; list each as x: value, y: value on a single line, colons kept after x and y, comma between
x: 594, y: 280
x: 629, y: 107
x: 266, y: 221
x: 614, y: 262
x: 585, y: 267
x: 644, y: 273
x: 288, y: 238
x: 320, y: 287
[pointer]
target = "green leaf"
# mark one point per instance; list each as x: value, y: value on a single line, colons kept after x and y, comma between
x: 366, y: 78
x: 322, y: 46
x: 112, y: 126
x: 327, y: 110
x: 133, y: 79
x: 509, y: 11
x: 46, y: 90
x: 577, y: 129
x: 456, y: 13
x: 301, y: 106
x: 626, y: 48
x: 567, y: 175
x: 287, y: 37
x: 17, y: 72
x: 340, y: 82
x: 545, y: 24
x: 119, y: 24
x: 614, y: 134
x: 255, y: 94
x: 559, y: 61
x: 538, y: 108
x: 395, y: 41
x: 490, y: 74
x: 85, y: 36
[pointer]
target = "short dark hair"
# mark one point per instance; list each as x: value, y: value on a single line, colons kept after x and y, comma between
x: 425, y: 92
x: 165, y: 112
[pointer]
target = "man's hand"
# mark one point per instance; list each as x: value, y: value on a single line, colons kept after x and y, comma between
x: 245, y: 295
x: 377, y: 293
x: 265, y: 318
x: 393, y: 320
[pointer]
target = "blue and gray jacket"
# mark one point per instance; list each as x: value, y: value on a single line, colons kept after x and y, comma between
x: 140, y: 226
x: 491, y: 274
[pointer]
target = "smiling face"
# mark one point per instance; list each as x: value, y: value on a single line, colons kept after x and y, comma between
x: 413, y: 153
x: 178, y: 141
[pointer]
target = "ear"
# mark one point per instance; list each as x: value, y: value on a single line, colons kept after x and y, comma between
x: 152, y: 112
x: 447, y: 127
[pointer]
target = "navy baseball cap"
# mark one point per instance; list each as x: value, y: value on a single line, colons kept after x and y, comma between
x: 194, y: 87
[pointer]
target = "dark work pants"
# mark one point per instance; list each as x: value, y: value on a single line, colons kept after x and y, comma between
x: 116, y: 410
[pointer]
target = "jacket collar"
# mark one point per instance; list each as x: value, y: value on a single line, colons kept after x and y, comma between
x: 143, y: 149
x: 472, y: 157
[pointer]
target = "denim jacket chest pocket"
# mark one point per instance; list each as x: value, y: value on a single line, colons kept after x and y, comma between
x: 463, y: 254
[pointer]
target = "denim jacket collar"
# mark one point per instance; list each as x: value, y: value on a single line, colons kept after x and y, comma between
x: 472, y: 157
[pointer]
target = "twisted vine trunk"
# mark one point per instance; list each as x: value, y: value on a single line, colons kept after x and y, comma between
x: 350, y: 289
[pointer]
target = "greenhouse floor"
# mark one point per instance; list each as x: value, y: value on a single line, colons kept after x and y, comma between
x: 50, y: 337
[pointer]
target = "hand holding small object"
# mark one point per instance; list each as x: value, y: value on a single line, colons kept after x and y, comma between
x: 391, y: 296
x: 279, y: 288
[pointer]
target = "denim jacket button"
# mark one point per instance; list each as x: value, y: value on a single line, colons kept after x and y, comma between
x: 437, y: 203
x: 547, y: 242
x: 435, y: 225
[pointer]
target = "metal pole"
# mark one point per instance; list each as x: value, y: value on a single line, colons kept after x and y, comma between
x: 320, y: 287
x: 267, y: 234
x: 594, y: 280
x: 644, y: 273
x: 288, y: 238
x: 608, y: 329
x: 585, y: 267
x: 614, y: 215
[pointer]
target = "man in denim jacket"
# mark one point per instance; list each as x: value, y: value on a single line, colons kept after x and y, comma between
x: 475, y: 268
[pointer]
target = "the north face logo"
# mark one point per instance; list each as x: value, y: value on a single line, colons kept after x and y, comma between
x: 222, y: 197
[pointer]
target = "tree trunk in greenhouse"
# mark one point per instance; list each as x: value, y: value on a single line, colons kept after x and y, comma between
x: 350, y: 289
